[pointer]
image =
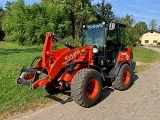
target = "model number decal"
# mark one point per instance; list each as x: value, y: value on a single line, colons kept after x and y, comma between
x: 125, y: 54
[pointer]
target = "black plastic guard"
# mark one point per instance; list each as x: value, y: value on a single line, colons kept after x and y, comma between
x: 24, y: 71
x: 23, y: 81
x: 115, y: 70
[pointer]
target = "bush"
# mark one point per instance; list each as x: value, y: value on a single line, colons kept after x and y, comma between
x: 2, y: 34
x: 158, y: 43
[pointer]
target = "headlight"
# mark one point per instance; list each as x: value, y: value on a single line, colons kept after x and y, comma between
x: 95, y: 50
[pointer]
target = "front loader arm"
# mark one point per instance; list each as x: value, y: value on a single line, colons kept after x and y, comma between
x: 53, y: 61
x: 59, y: 63
x: 47, y: 52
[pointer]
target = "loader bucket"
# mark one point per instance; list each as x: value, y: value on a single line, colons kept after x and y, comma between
x: 27, y: 76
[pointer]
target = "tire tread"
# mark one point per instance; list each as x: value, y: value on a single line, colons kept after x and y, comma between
x: 77, y: 86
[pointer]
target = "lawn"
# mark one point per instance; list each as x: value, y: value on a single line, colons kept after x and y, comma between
x: 145, y: 55
x: 144, y: 58
x: 17, y: 98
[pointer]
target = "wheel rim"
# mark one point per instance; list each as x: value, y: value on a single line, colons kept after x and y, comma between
x: 126, y: 77
x: 92, y: 88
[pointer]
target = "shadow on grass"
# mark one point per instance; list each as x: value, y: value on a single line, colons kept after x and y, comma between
x: 60, y: 100
x: 5, y: 51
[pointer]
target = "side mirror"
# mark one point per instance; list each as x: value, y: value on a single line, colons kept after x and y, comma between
x: 111, y: 26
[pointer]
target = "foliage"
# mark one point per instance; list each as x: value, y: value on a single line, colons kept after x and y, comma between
x: 139, y: 29
x: 103, y: 11
x: 133, y: 30
x: 129, y: 22
x: 22, y: 25
x: 158, y: 43
x: 27, y: 24
x: 153, y: 25
x: 2, y: 34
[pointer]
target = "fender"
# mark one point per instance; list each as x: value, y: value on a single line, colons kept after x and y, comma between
x: 115, y: 70
x: 96, y: 67
x: 99, y: 70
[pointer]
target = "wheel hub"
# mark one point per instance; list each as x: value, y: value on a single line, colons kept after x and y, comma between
x: 92, y: 88
x: 126, y: 77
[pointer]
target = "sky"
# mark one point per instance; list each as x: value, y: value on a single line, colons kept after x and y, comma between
x: 3, y: 2
x: 141, y: 10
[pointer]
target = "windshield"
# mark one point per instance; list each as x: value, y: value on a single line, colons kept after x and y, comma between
x: 94, y: 34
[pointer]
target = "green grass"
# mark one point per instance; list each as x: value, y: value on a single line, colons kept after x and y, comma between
x: 13, y: 97
x: 145, y: 56
x: 17, y: 98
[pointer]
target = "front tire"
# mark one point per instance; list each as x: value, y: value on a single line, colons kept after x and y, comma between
x: 123, y: 80
x: 86, y: 87
x: 50, y: 89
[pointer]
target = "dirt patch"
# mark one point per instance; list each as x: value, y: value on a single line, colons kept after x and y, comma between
x: 139, y: 63
x: 147, y: 64
x: 53, y: 100
x: 141, y: 66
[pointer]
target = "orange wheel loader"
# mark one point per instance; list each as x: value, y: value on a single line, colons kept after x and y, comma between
x: 101, y: 61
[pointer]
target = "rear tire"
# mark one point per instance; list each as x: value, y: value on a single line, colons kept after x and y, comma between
x: 86, y: 87
x: 123, y: 80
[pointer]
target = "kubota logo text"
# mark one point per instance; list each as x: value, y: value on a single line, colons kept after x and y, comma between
x: 71, y: 57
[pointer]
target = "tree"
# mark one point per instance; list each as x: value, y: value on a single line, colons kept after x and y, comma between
x: 27, y: 24
x: 130, y: 37
x: 129, y: 22
x: 56, y: 17
x: 103, y: 11
x: 139, y: 28
x: 133, y: 30
x: 2, y: 34
x: 1, y: 14
x: 8, y: 5
x: 153, y: 25
x: 159, y: 28
x: 80, y: 12
x: 13, y: 22
x: 119, y: 19
x: 69, y: 16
